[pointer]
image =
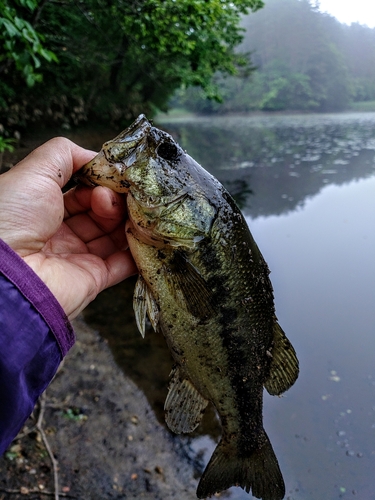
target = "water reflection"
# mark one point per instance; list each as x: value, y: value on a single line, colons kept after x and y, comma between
x: 281, y: 160
x: 324, y: 279
x: 307, y: 188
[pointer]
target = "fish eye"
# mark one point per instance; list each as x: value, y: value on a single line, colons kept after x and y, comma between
x: 168, y: 151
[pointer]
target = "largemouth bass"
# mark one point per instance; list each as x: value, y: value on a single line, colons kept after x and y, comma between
x: 204, y: 283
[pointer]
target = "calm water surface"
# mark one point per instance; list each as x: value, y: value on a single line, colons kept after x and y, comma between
x: 306, y: 185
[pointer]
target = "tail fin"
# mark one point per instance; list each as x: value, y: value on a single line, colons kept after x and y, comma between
x: 258, y: 472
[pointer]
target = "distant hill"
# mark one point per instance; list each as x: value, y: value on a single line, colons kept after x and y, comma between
x: 304, y: 59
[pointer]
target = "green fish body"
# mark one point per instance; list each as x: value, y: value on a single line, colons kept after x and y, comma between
x: 204, y: 283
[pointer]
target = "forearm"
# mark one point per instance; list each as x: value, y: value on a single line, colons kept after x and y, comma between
x: 34, y: 337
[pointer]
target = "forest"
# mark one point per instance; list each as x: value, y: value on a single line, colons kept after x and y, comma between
x: 69, y: 62
x: 304, y: 60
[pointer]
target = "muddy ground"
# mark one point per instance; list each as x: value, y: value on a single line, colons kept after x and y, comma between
x: 103, y: 433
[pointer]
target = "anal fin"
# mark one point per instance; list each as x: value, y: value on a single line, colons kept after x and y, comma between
x: 284, y: 367
x: 184, y: 405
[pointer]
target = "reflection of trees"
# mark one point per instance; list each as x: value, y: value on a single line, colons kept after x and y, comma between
x: 272, y: 166
x: 240, y: 191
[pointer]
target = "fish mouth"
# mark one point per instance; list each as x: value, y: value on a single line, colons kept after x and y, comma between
x: 125, y: 148
x: 94, y: 172
x: 115, y: 157
x: 134, y: 133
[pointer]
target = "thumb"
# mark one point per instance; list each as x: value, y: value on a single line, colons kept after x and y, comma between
x: 56, y: 159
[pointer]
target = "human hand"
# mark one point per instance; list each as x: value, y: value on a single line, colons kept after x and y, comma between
x: 74, y: 242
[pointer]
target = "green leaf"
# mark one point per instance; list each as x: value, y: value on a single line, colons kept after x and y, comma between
x: 11, y: 28
x: 20, y: 23
x: 6, y: 144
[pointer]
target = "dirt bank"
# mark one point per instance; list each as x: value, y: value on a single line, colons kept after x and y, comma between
x: 103, y: 433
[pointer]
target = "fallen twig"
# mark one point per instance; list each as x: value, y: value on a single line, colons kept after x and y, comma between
x: 39, y: 426
x: 27, y: 491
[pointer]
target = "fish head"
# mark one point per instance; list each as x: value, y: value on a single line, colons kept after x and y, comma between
x: 141, y: 160
x: 165, y: 197
x: 110, y: 166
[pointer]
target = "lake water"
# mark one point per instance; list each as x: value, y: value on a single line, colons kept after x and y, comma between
x: 306, y: 185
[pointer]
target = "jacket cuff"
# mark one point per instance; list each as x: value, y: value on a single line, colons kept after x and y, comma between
x: 15, y: 269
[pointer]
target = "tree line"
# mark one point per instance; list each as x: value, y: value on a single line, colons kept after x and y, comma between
x: 65, y: 62
x: 304, y: 59
x: 69, y: 61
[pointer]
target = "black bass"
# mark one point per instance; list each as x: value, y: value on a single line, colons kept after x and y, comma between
x: 204, y: 283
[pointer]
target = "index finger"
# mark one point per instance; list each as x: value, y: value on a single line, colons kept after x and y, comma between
x: 104, y: 202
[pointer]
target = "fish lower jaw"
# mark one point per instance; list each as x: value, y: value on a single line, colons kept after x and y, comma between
x: 81, y: 180
x: 144, y: 235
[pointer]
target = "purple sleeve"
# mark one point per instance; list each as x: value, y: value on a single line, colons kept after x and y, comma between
x: 35, y: 335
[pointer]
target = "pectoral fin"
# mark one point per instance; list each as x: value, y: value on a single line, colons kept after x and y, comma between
x: 184, y: 405
x: 284, y: 364
x: 197, y: 295
x: 144, y: 303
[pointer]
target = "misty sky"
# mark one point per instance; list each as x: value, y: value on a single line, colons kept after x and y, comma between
x: 362, y: 11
